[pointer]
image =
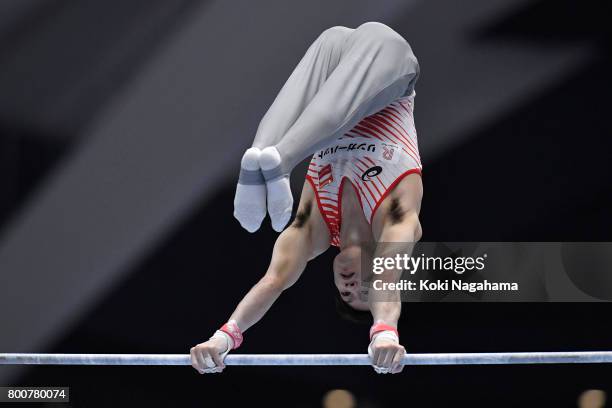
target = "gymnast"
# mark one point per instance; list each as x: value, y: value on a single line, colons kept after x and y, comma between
x: 349, y: 103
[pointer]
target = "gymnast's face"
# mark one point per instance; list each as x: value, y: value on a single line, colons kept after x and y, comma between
x: 347, y: 277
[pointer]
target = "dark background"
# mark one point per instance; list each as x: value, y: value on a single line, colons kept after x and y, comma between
x: 121, y: 129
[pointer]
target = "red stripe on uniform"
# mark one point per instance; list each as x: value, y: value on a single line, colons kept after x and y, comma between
x: 387, y: 122
x: 365, y: 133
x: 408, y: 144
x: 372, y: 195
x: 332, y: 236
x: 375, y: 128
x: 395, y: 141
x: 357, y: 181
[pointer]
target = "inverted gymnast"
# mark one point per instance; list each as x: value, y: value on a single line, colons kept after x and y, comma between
x: 349, y: 103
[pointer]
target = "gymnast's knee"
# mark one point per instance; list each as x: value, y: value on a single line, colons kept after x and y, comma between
x: 379, y: 32
x: 334, y: 36
x: 391, y: 44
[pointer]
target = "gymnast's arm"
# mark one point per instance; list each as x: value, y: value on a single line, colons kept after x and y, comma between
x: 305, y: 239
x: 385, y: 306
x: 397, y: 222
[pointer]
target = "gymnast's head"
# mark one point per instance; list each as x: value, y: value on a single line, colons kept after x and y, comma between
x: 351, y: 297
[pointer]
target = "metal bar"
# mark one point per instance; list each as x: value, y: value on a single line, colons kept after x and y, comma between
x: 565, y: 357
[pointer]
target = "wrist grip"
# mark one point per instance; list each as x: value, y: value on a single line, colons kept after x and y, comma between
x: 380, y: 327
x: 231, y: 329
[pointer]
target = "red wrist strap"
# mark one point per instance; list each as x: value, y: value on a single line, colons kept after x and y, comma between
x: 232, y: 330
x: 379, y: 327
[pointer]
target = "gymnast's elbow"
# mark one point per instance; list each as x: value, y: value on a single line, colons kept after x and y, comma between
x: 284, y: 270
x: 275, y: 283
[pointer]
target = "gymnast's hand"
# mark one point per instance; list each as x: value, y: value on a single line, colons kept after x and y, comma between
x: 386, y: 353
x: 208, y: 357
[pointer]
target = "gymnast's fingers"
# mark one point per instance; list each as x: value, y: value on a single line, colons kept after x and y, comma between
x: 392, y: 350
x: 397, y: 366
x: 194, y: 360
x: 375, y: 355
x: 203, y: 356
x: 217, y: 359
x: 379, y: 356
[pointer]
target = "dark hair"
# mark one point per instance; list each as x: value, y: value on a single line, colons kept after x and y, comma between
x: 350, y: 313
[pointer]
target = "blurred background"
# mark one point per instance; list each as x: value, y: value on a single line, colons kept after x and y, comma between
x: 121, y: 128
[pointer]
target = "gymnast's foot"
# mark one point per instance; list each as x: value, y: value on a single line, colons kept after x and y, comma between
x: 280, y: 199
x: 250, y: 199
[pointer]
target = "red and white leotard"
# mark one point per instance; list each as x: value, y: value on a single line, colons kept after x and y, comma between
x: 373, y: 156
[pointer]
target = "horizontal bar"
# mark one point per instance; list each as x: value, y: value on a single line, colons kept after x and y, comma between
x: 564, y: 357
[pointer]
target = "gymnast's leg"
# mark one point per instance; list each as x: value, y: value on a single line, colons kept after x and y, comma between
x: 305, y: 81
x: 376, y: 67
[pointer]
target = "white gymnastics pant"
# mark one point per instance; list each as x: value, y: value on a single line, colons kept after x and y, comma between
x: 346, y: 75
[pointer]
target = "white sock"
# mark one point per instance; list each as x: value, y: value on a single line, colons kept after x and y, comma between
x: 280, y: 199
x: 250, y: 199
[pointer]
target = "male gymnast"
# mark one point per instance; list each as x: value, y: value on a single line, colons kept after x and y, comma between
x: 350, y: 103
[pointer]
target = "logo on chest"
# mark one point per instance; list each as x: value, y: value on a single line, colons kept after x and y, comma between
x: 371, y: 172
x: 388, y: 152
